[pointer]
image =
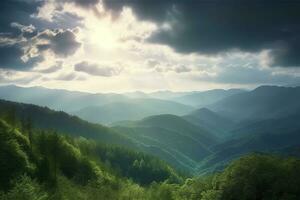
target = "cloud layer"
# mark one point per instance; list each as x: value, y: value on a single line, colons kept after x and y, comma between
x: 212, y: 27
x: 149, y: 44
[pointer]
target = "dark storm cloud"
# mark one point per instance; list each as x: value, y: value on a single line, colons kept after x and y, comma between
x: 85, y: 3
x: 216, y: 26
x: 10, y: 58
x: 16, y: 52
x: 16, y: 11
x: 61, y: 42
x: 20, y: 33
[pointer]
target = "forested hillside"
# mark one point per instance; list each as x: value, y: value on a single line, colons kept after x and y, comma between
x: 45, y: 118
x: 57, y: 156
x: 41, y: 164
x: 215, y: 123
x: 171, y: 138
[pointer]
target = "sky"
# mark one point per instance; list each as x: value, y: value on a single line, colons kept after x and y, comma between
x: 149, y: 45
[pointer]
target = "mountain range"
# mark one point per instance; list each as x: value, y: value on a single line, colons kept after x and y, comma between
x: 198, y: 140
x: 117, y: 107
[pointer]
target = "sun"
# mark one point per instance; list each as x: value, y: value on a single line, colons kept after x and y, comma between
x: 99, y: 32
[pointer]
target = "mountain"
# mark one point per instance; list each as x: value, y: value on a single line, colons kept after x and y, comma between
x: 264, y: 102
x: 47, y: 166
x: 173, y: 138
x: 164, y: 94
x: 44, y: 118
x: 193, y: 98
x: 167, y: 95
x: 64, y: 100
x: 133, y: 109
x: 279, y: 136
x: 97, y: 108
x: 202, y: 99
x: 210, y: 120
x: 267, y: 120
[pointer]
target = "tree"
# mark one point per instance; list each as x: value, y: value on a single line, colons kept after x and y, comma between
x: 25, y: 189
x: 211, y: 195
x: 10, y: 116
x: 13, y: 160
x: 259, y: 176
x: 27, y: 129
x: 53, y: 150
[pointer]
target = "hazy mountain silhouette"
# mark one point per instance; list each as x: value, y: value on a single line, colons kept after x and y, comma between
x: 205, y: 98
x: 264, y: 102
x: 132, y: 109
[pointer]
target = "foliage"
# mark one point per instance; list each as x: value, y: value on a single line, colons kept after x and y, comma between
x: 261, y: 177
x: 50, y: 166
x: 13, y: 159
x: 25, y: 189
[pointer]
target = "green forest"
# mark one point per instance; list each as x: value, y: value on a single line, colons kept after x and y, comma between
x: 41, y: 164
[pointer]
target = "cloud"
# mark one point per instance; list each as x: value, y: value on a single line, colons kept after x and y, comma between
x: 182, y: 69
x: 214, y: 27
x: 152, y: 63
x: 25, y: 50
x: 84, y: 3
x: 15, y: 77
x: 54, y: 68
x: 164, y: 67
x: 96, y: 69
x: 66, y: 77
x: 23, y: 28
x: 286, y: 54
x: 12, y: 57
x: 62, y: 42
x: 16, y: 11
x: 247, y: 75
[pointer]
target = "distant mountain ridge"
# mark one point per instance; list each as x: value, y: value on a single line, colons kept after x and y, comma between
x: 204, y: 140
x: 57, y: 99
x: 45, y: 118
x: 267, y: 120
x: 279, y: 136
x: 264, y: 102
x: 205, y: 98
x: 133, y: 109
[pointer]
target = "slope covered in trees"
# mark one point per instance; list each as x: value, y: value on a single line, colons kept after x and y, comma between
x: 217, y: 124
x: 280, y: 136
x: 175, y: 140
x: 44, y: 165
x: 58, y: 162
x: 44, y: 118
